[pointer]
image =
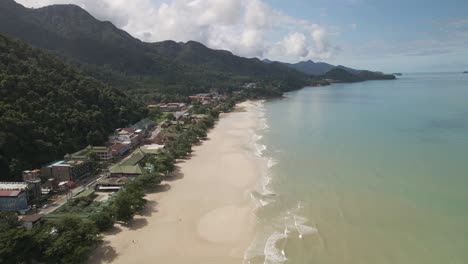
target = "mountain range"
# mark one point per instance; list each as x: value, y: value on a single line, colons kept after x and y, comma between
x: 161, y: 71
x: 114, y: 56
x: 318, y: 68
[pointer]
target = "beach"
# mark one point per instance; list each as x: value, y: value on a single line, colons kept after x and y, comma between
x: 202, y: 214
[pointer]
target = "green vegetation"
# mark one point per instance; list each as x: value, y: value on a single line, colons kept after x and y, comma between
x: 342, y: 75
x: 73, y: 231
x: 13, y: 239
x: 162, y: 72
x: 47, y: 109
x: 130, y: 200
x: 65, y: 240
x: 103, y: 220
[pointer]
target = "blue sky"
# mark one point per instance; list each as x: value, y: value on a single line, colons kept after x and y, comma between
x: 391, y: 36
x: 395, y: 35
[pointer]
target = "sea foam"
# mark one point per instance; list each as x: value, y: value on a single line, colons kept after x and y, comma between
x: 273, y: 255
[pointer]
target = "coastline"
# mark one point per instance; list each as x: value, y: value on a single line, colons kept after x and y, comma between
x: 205, y: 213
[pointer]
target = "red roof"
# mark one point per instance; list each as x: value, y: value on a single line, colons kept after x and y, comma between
x: 9, y: 193
x: 117, y: 147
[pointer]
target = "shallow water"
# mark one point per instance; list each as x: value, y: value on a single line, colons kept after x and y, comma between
x: 373, y: 172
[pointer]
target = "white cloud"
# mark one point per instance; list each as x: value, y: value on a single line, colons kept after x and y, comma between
x: 245, y: 27
x: 354, y: 26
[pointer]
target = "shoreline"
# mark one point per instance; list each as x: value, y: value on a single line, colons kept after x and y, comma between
x: 202, y: 214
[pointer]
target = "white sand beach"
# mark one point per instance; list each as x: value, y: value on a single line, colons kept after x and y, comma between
x: 203, y: 215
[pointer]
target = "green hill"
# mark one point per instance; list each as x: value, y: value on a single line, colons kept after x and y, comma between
x: 343, y: 75
x: 151, y: 71
x: 47, y: 108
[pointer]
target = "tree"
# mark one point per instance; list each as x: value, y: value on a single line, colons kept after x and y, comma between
x: 66, y: 240
x: 103, y: 220
x: 128, y: 202
x: 15, y: 243
x: 95, y: 138
x: 48, y: 108
x: 164, y: 162
x: 8, y: 220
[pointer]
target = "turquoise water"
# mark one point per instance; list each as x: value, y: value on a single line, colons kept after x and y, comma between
x: 373, y: 172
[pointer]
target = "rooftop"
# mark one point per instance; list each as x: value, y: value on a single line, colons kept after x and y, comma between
x: 114, y: 181
x: 143, y: 124
x: 13, y: 186
x: 55, y: 163
x: 85, y: 193
x: 120, y: 169
x: 32, y: 218
x: 133, y: 159
x: 9, y: 193
x: 151, y: 149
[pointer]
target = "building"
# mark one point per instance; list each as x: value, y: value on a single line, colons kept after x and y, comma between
x: 172, y: 107
x: 31, y: 174
x: 129, y: 167
x: 144, y: 126
x: 152, y: 149
x: 31, y: 221
x: 126, y: 136
x: 103, y: 153
x: 201, y: 97
x: 119, y: 149
x: 34, y: 190
x: 13, y: 201
x: 126, y: 171
x: 70, y: 170
x: 33, y: 180
x: 111, y: 184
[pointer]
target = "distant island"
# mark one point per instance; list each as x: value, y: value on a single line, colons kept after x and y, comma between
x: 465, y: 72
x: 397, y: 74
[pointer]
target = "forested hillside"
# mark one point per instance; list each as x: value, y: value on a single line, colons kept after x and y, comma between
x: 161, y: 71
x: 47, y: 108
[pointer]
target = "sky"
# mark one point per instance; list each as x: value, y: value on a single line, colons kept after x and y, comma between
x: 390, y: 36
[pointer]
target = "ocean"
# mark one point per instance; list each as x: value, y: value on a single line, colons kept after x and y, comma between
x: 365, y: 173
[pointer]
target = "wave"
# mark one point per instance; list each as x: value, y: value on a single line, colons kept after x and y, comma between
x: 260, y: 202
x: 259, y: 149
x: 271, y: 162
x: 273, y: 255
x: 301, y: 228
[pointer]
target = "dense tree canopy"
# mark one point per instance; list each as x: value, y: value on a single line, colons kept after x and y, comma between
x: 48, y: 109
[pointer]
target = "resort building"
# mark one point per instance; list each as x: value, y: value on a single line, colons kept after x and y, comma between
x: 14, y: 196
x: 34, y: 186
x: 103, y: 153
x: 151, y: 149
x: 70, y: 170
x: 172, y: 107
x: 119, y: 149
x: 13, y: 201
x: 128, y: 167
x: 144, y: 126
x: 126, y: 171
x: 111, y: 184
x: 31, y: 174
x: 126, y: 136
